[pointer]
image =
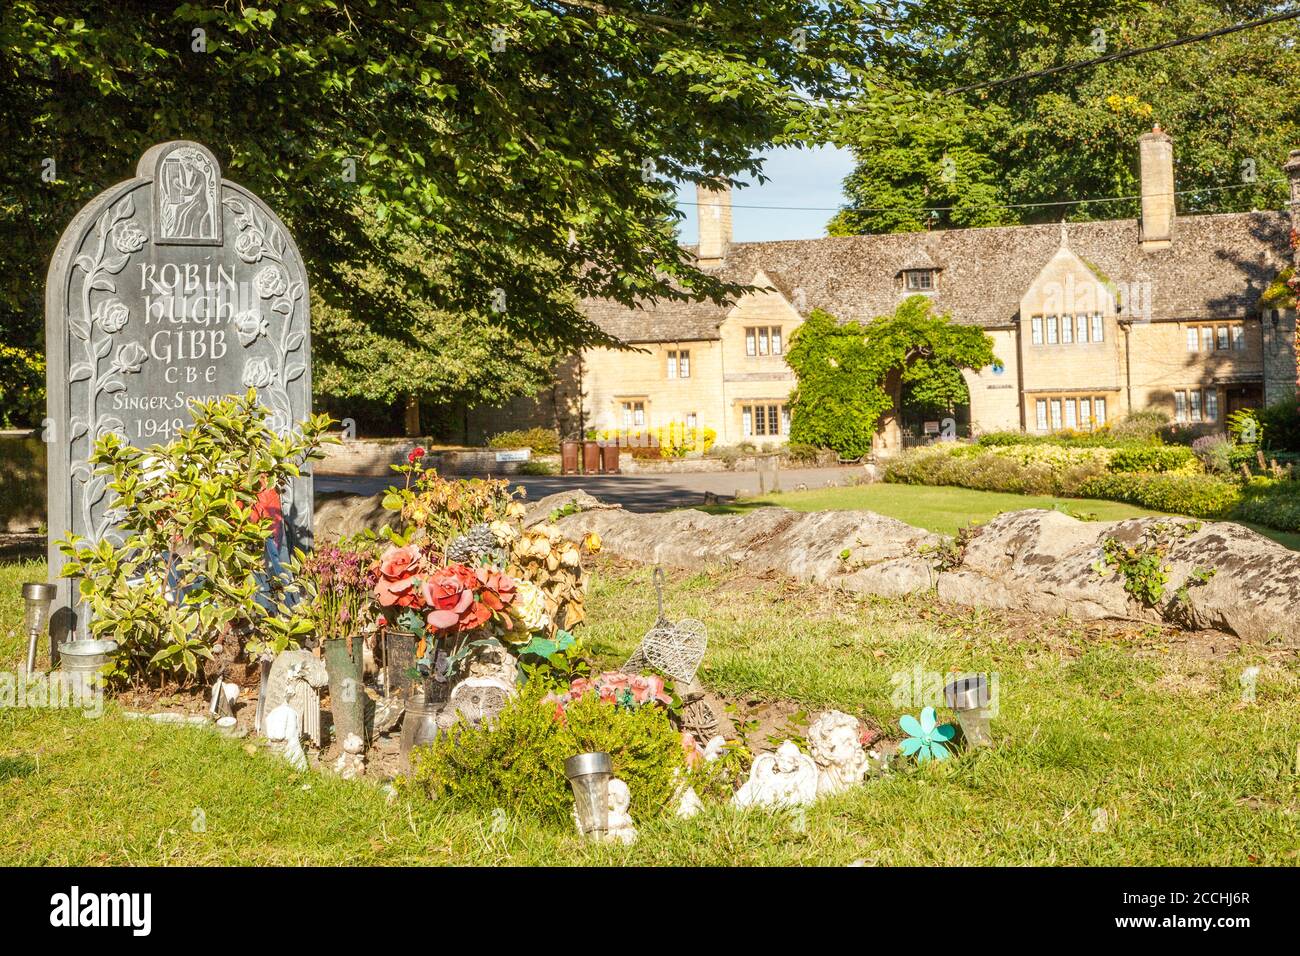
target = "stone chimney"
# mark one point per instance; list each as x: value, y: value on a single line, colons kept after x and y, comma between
x: 714, y: 207
x: 1292, y: 169
x: 1156, y: 160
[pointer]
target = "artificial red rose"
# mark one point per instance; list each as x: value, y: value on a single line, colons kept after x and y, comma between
x: 615, y: 679
x: 649, y: 688
x: 474, y: 618
x: 497, y: 590
x: 449, y: 593
x: 396, y: 562
x: 691, y: 750
x: 400, y: 592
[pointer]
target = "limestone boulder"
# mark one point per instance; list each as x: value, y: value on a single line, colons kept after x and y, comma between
x: 339, y: 515
x: 1220, y: 575
x: 821, y: 546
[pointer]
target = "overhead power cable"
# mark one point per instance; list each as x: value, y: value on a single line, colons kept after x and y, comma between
x: 1012, y: 205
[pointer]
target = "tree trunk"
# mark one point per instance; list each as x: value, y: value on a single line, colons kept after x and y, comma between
x: 412, y: 423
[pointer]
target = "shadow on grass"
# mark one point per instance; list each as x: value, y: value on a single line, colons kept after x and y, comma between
x: 14, y: 768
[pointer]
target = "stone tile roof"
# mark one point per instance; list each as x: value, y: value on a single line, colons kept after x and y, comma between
x: 1216, y: 267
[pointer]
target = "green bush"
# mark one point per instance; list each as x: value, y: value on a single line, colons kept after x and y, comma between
x: 1152, y: 458
x: 537, y: 467
x: 802, y: 453
x: 189, y: 527
x: 518, y: 764
x: 1198, y: 495
x: 543, y: 441
x: 1281, y: 425
x: 1101, y: 438
x: 1032, y: 469
x: 1271, y: 502
x: 1140, y: 427
x: 22, y: 387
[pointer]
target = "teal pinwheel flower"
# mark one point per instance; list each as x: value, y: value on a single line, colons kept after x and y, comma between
x: 925, y: 740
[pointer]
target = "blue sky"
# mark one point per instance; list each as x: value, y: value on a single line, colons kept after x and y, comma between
x: 796, y: 177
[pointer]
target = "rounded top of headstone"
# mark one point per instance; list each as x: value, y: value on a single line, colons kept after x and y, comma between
x: 154, y: 156
x: 186, y: 193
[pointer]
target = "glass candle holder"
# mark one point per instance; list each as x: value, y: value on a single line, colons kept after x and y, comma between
x: 969, y: 697
x: 589, y: 775
x: 37, y: 596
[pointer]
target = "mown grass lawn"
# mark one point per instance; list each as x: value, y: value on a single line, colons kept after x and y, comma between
x: 1115, y: 746
x: 946, y: 509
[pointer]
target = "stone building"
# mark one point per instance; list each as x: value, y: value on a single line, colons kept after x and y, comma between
x: 1089, y: 321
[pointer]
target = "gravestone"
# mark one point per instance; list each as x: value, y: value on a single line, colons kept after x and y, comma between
x: 168, y: 288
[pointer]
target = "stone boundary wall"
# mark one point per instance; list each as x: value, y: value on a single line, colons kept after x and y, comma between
x: 373, y: 456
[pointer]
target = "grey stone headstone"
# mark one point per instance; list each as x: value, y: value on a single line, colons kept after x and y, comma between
x: 173, y: 286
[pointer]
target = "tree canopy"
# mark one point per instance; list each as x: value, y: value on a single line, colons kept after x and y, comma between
x: 1232, y: 104
x: 457, y: 175
x: 526, y: 147
x: 850, y: 374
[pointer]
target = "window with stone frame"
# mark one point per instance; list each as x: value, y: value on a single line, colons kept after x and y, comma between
x: 920, y: 280
x: 763, y: 340
x: 764, y: 419
x: 1070, y: 411
x: 1195, y: 405
x: 679, y: 363
x: 634, y: 413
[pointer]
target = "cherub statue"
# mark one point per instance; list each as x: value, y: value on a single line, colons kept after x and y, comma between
x: 787, y: 778
x: 835, y: 742
x: 620, y: 815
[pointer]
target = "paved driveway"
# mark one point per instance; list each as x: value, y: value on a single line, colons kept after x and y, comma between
x: 633, y: 492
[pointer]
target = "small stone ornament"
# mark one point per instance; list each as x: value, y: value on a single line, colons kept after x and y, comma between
x: 835, y: 742
x: 787, y: 778
x: 296, y: 678
x: 621, y: 828
x: 675, y: 649
x: 284, y: 723
x: 688, y: 804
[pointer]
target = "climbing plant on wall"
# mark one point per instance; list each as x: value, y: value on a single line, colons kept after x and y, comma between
x: 851, y: 373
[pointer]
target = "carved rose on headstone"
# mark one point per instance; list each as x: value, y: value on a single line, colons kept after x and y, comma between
x: 249, y: 245
x: 129, y: 358
x: 258, y: 373
x: 111, y: 315
x: 248, y: 326
x: 270, y: 282
x: 129, y: 238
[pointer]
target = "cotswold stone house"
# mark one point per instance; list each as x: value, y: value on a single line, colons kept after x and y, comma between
x: 1090, y: 321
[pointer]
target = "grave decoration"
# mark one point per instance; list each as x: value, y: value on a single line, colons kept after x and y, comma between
x: 169, y: 290
x: 926, y: 738
x: 787, y: 778
x: 484, y: 598
x: 835, y: 741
